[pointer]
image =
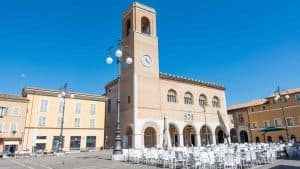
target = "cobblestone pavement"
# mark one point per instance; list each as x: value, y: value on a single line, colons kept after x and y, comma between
x: 99, y: 160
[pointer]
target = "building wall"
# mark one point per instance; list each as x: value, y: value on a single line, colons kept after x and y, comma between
x: 6, y: 135
x: 291, y: 108
x: 240, y: 121
x: 268, y: 111
x: 51, y: 128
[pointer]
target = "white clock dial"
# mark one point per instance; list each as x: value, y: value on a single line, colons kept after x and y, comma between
x: 147, y: 60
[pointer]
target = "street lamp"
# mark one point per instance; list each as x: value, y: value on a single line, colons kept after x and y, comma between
x: 203, y: 104
x: 278, y: 95
x: 119, y: 52
x: 63, y: 94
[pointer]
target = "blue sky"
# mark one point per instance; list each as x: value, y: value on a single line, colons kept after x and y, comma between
x: 249, y: 46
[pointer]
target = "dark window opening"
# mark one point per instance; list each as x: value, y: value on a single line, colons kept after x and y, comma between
x: 75, y: 142
x: 129, y: 99
x: 90, y: 141
x: 145, y: 26
x: 128, y: 27
x: 41, y: 137
x: 109, y: 106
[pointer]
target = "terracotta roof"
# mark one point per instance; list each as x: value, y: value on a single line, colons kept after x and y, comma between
x: 191, y: 80
x: 262, y: 101
x: 12, y: 97
x: 54, y: 93
x: 248, y: 104
x: 288, y: 91
x: 179, y: 78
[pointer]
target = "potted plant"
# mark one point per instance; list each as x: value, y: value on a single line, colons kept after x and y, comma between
x: 14, y: 132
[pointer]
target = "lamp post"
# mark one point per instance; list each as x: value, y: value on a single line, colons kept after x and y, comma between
x: 279, y: 95
x: 63, y: 94
x: 117, y: 151
x: 206, y: 130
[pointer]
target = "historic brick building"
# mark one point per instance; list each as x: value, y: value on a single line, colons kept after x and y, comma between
x: 278, y: 115
x: 147, y: 96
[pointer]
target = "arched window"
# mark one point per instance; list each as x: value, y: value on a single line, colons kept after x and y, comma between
x: 145, y: 26
x: 257, y: 140
x: 188, y: 98
x: 202, y: 100
x: 216, y: 102
x: 270, y: 139
x: 172, y: 96
x: 280, y: 139
x: 128, y: 27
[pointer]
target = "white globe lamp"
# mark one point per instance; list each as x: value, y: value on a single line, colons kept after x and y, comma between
x: 129, y: 60
x: 109, y: 60
x: 119, y: 53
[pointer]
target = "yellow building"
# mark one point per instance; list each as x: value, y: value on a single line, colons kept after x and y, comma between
x: 83, y: 127
x: 148, y: 96
x: 281, y: 113
x: 12, y: 119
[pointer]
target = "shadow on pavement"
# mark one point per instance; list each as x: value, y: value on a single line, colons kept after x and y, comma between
x: 95, y: 157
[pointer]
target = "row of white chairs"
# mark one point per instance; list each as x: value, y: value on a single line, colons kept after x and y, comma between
x: 215, y: 156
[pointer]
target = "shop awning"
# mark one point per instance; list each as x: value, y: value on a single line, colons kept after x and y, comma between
x: 269, y: 129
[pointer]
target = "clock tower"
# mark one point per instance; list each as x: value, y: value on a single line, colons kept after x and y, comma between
x: 140, y: 90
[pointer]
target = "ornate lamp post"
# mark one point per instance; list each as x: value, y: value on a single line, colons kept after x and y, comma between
x: 117, y: 151
x: 63, y: 94
x: 279, y: 95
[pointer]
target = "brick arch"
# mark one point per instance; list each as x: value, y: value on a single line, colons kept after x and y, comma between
x: 155, y: 127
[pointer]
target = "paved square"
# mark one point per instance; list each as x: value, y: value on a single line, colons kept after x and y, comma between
x: 91, y: 160
x: 99, y: 160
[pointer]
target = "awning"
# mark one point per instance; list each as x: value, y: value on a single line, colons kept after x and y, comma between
x: 269, y: 129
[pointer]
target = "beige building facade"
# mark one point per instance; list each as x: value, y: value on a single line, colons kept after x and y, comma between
x: 12, y: 119
x: 282, y: 115
x: 148, y: 97
x: 83, y: 127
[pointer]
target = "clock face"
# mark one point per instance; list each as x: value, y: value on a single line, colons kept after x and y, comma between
x: 147, y: 60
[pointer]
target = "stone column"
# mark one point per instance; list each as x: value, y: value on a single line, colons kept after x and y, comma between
x: 213, y: 138
x: 181, y: 140
x: 198, y: 140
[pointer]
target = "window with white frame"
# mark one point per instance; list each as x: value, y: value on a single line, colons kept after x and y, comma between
x: 77, y: 108
x: 277, y: 123
x: 42, y: 121
x: 254, y: 125
x: 3, y: 110
x: 92, y: 123
x: 13, y: 129
x: 290, y: 121
x: 188, y: 98
x: 58, y: 121
x: 44, y: 105
x: 216, y: 102
x: 60, y: 106
x: 202, y: 100
x: 16, y: 111
x: 172, y: 96
x: 266, y: 123
x: 77, y: 122
x: 93, y: 109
